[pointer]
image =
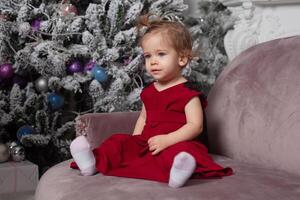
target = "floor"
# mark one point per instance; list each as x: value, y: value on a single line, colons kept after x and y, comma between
x: 18, y: 196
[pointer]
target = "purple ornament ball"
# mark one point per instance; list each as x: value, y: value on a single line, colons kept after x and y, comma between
x: 36, y: 24
x: 89, y: 66
x: 6, y: 71
x: 75, y: 67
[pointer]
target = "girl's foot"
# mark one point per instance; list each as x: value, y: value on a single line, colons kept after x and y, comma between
x: 83, y: 156
x: 183, y: 167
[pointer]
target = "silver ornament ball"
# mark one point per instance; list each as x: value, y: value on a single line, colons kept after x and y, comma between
x: 41, y: 84
x: 18, y: 153
x: 11, y: 145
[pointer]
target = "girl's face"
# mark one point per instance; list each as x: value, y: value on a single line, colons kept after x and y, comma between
x: 162, y: 61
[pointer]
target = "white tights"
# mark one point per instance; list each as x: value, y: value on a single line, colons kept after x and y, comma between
x: 183, y: 167
x: 83, y: 156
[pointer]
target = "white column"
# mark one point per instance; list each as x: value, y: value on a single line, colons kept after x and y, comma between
x: 260, y: 21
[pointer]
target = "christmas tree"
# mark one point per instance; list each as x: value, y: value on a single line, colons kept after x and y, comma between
x: 60, y: 59
x: 208, y: 30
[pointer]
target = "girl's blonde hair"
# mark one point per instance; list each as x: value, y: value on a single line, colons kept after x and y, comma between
x: 176, y: 33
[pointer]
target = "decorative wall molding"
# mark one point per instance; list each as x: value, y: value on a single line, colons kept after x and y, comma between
x: 260, y: 21
x: 257, y: 2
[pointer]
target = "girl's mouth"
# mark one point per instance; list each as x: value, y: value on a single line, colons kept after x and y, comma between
x: 155, y: 71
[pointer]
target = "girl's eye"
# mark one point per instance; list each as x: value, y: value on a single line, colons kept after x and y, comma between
x: 162, y: 54
x: 146, y: 56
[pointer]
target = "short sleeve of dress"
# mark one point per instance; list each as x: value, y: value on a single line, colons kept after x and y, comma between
x: 187, y: 95
x: 191, y: 92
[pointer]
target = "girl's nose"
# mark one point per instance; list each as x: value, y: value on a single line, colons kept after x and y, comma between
x: 153, y: 61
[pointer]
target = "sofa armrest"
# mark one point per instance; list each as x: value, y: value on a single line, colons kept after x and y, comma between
x: 102, y: 125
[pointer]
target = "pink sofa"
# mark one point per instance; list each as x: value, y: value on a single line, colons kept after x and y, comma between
x: 253, y: 126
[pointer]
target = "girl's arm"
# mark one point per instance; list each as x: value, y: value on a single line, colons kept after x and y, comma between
x: 194, y: 123
x: 189, y: 131
x: 140, y: 123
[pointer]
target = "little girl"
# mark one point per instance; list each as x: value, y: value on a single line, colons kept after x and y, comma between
x: 163, y: 146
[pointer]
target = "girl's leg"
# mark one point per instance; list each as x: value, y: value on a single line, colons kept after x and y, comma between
x: 83, y: 156
x: 183, y: 167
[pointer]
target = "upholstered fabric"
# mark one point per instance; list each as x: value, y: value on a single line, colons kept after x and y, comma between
x: 101, y: 126
x: 254, y: 107
x: 250, y: 182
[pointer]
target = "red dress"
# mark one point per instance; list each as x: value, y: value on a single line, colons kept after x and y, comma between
x: 128, y: 156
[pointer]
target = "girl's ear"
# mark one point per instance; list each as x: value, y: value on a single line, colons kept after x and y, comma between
x: 183, y: 60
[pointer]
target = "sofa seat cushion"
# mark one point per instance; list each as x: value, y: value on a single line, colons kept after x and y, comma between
x: 249, y: 182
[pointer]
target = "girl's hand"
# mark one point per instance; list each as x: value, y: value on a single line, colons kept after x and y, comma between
x: 158, y: 143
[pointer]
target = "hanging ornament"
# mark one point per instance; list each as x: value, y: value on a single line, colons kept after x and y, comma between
x: 6, y: 71
x: 89, y: 66
x: 68, y: 9
x: 25, y: 130
x: 11, y: 145
x: 18, y: 153
x: 41, y: 84
x: 99, y: 73
x: 75, y: 67
x: 56, y: 101
x: 4, y: 153
x: 36, y: 24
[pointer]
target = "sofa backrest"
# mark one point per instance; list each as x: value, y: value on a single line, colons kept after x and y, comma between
x: 253, y: 109
x: 103, y: 125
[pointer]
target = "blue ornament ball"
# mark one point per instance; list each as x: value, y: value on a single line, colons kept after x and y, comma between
x: 99, y: 73
x: 25, y: 130
x: 56, y: 101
